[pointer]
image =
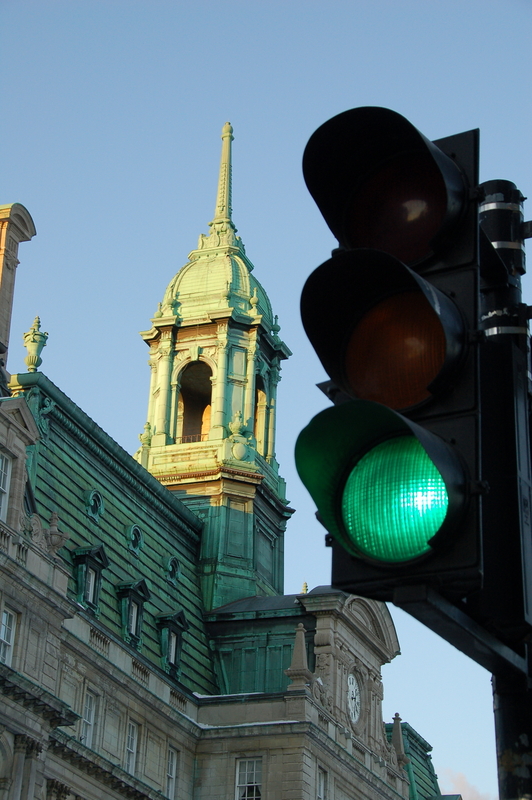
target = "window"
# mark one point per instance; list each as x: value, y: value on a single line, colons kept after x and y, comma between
x: 248, y: 779
x: 196, y: 390
x: 171, y: 773
x: 134, y: 616
x: 5, y: 473
x: 131, y: 747
x: 94, y: 505
x: 89, y: 563
x: 171, y: 627
x: 135, y: 539
x: 172, y: 571
x: 7, y: 636
x: 90, y: 591
x: 87, y: 720
x: 322, y: 785
x: 132, y: 597
x: 172, y: 647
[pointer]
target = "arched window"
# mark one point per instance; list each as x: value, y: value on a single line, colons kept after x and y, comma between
x: 196, y: 400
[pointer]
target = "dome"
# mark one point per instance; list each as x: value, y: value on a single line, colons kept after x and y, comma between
x: 216, y: 279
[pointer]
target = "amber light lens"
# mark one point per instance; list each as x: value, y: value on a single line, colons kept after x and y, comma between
x: 399, y: 209
x: 396, y: 350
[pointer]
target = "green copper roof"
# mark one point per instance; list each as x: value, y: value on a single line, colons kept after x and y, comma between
x: 423, y: 779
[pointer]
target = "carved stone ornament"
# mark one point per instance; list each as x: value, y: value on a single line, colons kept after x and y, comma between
x: 145, y: 436
x: 38, y: 536
x: 240, y: 451
x: 236, y: 426
x: 34, y: 341
x: 54, y: 537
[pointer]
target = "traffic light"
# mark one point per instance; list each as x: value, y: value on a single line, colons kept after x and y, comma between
x: 395, y: 466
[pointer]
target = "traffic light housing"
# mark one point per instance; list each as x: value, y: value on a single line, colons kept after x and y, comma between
x: 421, y: 471
x: 393, y: 316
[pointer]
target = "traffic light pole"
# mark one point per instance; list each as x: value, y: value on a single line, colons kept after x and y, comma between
x: 512, y: 706
x: 507, y: 603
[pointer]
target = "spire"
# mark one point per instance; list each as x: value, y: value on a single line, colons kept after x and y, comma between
x: 222, y: 231
x: 298, y: 671
x: 223, y: 210
x: 397, y: 741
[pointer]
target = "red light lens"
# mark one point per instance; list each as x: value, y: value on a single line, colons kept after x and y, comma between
x: 396, y: 350
x: 399, y: 209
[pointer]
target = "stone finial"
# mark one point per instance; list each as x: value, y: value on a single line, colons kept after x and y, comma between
x: 145, y: 436
x: 397, y: 741
x: 298, y: 671
x: 254, y: 301
x: 275, y: 329
x: 34, y: 341
x: 56, y: 538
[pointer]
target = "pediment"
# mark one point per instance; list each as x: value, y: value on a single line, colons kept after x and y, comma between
x: 15, y: 411
x: 374, y: 619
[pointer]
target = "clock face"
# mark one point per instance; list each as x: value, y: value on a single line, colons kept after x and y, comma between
x: 353, y: 698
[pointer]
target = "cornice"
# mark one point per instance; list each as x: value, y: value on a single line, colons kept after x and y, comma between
x: 39, y: 700
x: 69, y: 749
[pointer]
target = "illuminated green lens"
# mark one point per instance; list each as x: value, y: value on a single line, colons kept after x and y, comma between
x: 394, y: 501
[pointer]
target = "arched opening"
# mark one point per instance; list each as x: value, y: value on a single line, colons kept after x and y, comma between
x: 196, y: 401
x: 259, y: 428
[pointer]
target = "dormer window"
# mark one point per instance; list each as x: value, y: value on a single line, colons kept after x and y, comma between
x: 89, y: 563
x: 171, y: 627
x: 132, y: 597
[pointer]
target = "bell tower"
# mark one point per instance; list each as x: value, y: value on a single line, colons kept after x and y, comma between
x: 215, y: 357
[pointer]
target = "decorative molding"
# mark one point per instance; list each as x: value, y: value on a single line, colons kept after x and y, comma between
x: 55, y: 790
x: 40, y: 701
x: 99, y: 641
x: 117, y: 779
x: 139, y: 672
x: 178, y: 700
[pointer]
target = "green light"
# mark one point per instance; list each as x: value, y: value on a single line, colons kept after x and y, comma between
x: 394, y: 501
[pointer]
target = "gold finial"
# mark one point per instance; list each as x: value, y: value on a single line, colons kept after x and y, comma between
x: 304, y: 588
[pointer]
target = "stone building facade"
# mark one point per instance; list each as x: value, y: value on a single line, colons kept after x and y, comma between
x: 146, y: 648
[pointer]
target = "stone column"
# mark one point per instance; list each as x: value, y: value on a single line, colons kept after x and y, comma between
x: 250, y: 388
x: 175, y: 388
x: 16, y: 225
x: 153, y: 374
x: 275, y: 378
x: 33, y: 749
x: 18, y: 766
x: 161, y: 418
x: 218, y: 405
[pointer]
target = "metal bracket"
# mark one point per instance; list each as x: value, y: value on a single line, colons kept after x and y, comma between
x: 454, y: 625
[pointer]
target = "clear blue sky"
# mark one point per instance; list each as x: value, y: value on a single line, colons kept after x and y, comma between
x: 111, y: 118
